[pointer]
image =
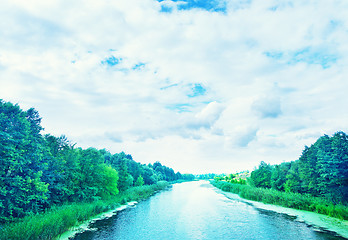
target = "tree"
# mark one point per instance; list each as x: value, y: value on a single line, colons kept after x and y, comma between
x: 134, y: 168
x: 293, y: 182
x: 333, y: 168
x: 139, y: 181
x: 61, y: 171
x: 188, y: 176
x: 107, y: 182
x: 121, y: 167
x: 261, y: 177
x: 149, y: 175
x: 21, y: 162
x: 178, y: 176
x: 278, y: 177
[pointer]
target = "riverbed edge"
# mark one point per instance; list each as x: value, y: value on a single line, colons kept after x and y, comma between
x: 317, y: 220
x: 85, y: 225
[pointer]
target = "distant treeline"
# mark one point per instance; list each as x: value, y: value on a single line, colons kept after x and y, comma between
x: 40, y: 171
x: 321, y: 171
x: 206, y: 176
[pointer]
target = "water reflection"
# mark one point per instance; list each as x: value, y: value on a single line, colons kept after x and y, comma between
x: 196, y: 211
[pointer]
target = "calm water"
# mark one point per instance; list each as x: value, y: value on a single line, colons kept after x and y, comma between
x: 194, y: 210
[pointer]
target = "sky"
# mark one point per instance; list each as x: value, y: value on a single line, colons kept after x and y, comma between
x: 201, y: 86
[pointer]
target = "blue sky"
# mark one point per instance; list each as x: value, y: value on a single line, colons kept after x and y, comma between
x: 212, y: 6
x: 308, y: 55
x: 202, y: 86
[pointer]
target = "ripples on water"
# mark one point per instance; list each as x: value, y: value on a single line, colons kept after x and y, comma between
x: 195, y: 211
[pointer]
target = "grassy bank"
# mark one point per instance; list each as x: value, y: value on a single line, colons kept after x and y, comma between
x: 289, y: 200
x: 60, y: 219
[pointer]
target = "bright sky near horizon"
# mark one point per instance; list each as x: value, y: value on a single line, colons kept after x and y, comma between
x: 201, y: 86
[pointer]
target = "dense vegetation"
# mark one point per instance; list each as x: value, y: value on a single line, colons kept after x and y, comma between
x: 38, y: 172
x: 206, y: 176
x: 317, y: 181
x: 60, y: 219
x: 285, y: 199
x: 321, y: 171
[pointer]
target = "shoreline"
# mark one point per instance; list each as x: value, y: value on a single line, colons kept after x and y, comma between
x: 84, y: 226
x: 318, y: 221
x: 135, y: 194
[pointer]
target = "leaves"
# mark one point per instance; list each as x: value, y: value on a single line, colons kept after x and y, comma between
x: 322, y: 170
x: 38, y: 172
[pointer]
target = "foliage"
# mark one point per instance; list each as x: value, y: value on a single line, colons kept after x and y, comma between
x: 139, y: 181
x: 206, y: 176
x: 278, y: 177
x: 188, y: 177
x: 285, y: 199
x: 21, y: 162
x: 60, y: 219
x: 321, y: 171
x: 40, y: 172
x: 317, y: 181
x: 261, y: 177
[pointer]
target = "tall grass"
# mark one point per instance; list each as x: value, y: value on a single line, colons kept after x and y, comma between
x: 285, y: 199
x: 60, y: 219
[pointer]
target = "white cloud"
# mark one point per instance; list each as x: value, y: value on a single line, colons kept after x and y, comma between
x: 267, y: 107
x: 263, y: 100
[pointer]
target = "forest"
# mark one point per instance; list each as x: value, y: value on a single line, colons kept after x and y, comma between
x: 317, y: 181
x: 321, y: 171
x: 38, y: 172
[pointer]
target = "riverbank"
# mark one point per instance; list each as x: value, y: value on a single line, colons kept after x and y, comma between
x: 285, y: 199
x: 66, y: 219
x: 318, y: 221
x: 86, y: 225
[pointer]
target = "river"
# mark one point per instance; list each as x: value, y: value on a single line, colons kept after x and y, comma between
x: 196, y: 210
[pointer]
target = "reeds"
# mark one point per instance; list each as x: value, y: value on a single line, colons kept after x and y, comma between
x: 285, y: 199
x: 59, y: 219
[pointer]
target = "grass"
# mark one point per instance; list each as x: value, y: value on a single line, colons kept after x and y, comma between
x: 289, y: 200
x: 59, y: 219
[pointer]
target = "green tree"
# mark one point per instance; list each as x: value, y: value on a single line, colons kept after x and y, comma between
x: 107, y: 182
x: 278, y: 177
x: 139, y: 181
x: 134, y: 169
x: 62, y: 168
x: 178, y: 176
x: 121, y: 167
x: 188, y: 176
x: 21, y: 162
x: 308, y: 166
x: 333, y: 168
x: 293, y: 182
x: 149, y: 175
x: 261, y: 177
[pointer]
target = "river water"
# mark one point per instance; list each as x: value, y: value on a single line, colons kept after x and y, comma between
x: 195, y: 210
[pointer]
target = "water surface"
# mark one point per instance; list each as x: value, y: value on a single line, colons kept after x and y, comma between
x: 194, y: 210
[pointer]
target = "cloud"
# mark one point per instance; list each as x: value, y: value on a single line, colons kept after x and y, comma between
x: 209, y: 115
x: 267, y: 107
x: 244, y: 135
x: 228, y: 83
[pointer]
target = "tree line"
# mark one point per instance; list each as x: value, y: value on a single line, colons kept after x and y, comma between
x: 321, y: 171
x: 40, y: 171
